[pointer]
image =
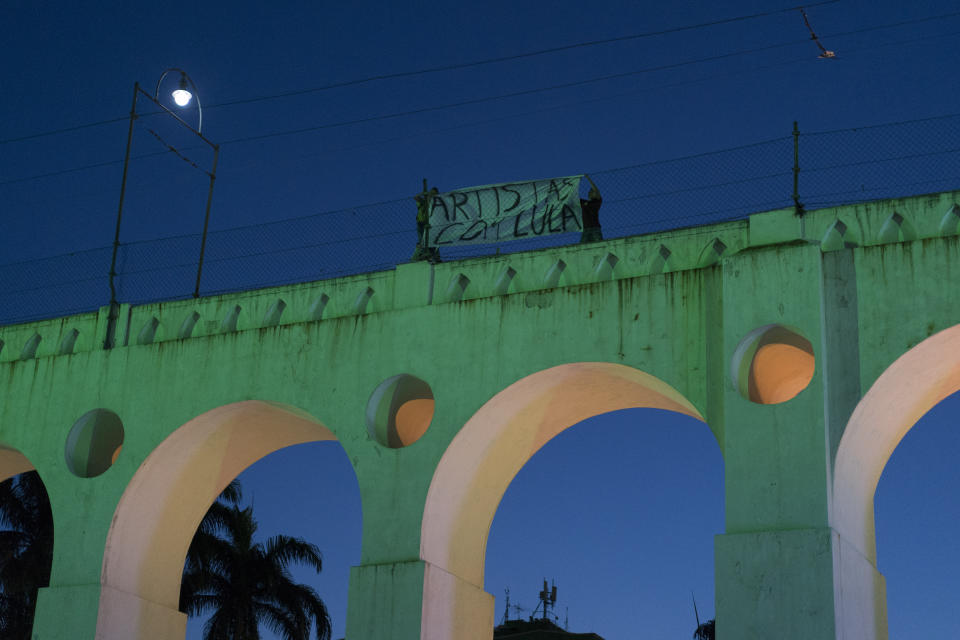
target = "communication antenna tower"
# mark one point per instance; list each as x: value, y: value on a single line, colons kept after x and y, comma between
x: 517, y: 608
x: 548, y: 598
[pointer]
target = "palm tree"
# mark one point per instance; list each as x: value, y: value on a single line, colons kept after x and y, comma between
x: 26, y: 551
x: 705, y: 631
x: 246, y: 584
x: 205, y: 541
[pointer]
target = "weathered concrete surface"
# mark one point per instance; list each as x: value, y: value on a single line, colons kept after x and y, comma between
x: 515, y: 349
x: 774, y: 582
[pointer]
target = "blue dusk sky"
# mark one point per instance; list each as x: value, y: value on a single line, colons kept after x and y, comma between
x: 319, y: 107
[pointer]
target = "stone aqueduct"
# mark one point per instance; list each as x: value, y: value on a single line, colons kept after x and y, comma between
x: 809, y: 346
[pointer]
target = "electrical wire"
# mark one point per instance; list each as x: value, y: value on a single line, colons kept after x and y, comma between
x: 578, y: 45
x: 64, y: 130
x: 568, y: 85
x: 490, y: 98
x: 864, y: 191
x: 474, y: 64
x: 518, y: 56
x: 861, y: 163
x: 503, y: 96
x: 484, y: 99
x: 883, y: 124
x: 413, y: 111
x: 417, y: 111
x: 647, y: 164
x: 670, y: 85
x: 567, y: 105
x: 851, y: 129
x: 85, y: 167
x: 450, y: 67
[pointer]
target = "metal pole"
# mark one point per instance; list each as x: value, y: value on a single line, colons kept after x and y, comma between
x: 426, y: 225
x: 206, y: 219
x: 797, y: 206
x: 114, y: 310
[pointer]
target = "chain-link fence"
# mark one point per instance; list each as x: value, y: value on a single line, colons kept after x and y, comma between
x: 835, y: 167
x: 885, y: 161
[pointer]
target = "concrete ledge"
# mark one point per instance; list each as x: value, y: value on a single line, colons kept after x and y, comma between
x: 775, y: 227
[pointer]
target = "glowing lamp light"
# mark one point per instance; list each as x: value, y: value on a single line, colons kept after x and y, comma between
x: 181, y: 96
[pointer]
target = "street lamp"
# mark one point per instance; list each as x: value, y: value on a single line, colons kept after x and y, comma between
x: 182, y: 96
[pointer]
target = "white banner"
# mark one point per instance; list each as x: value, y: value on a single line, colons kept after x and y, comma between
x: 502, y: 212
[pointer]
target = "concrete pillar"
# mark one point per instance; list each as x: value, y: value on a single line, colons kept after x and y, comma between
x: 775, y: 584
x: 385, y: 600
x: 77, y: 604
x: 860, y: 601
x: 804, y: 583
x: 775, y: 564
x: 103, y: 614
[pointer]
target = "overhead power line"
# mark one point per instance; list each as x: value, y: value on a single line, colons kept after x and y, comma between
x: 484, y: 99
x: 389, y: 116
x: 503, y: 96
x: 86, y: 167
x: 516, y: 56
x: 670, y: 85
x: 449, y: 67
x: 579, y: 82
x: 64, y: 130
x: 285, y: 221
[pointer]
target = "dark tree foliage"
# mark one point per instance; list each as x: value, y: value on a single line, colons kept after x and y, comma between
x: 205, y: 541
x: 245, y: 584
x: 706, y: 631
x: 26, y: 551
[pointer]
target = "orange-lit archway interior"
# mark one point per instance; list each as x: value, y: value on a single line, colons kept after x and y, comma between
x: 164, y: 502
x: 489, y: 451
x: 904, y: 392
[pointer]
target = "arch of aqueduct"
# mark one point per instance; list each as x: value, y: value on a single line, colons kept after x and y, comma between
x: 852, y: 306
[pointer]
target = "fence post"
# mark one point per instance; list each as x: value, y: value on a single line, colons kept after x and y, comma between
x: 797, y: 205
x: 206, y: 219
x: 114, y: 306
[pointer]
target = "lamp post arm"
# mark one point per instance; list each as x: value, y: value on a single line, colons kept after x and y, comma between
x: 179, y: 119
x: 156, y: 92
x: 196, y: 95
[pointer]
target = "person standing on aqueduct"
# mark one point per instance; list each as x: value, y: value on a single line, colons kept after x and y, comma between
x: 590, y: 208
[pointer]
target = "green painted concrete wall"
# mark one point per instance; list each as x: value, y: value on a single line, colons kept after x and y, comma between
x: 863, y: 284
